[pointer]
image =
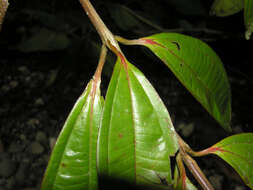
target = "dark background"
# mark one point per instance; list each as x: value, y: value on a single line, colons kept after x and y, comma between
x: 49, y: 50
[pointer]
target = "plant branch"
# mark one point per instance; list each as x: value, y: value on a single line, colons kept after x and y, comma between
x: 188, y: 150
x: 196, y: 171
x: 182, y: 171
x: 102, y: 58
x: 192, y: 165
x: 105, y: 34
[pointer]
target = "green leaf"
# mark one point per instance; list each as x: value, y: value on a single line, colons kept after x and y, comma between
x: 73, y: 161
x: 198, y: 68
x: 226, y: 7
x: 136, y: 136
x: 237, y: 150
x: 248, y: 17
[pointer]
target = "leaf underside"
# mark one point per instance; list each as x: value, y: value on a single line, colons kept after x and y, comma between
x: 223, y: 8
x: 73, y: 161
x: 198, y: 68
x: 136, y: 136
x: 237, y: 150
x: 248, y: 17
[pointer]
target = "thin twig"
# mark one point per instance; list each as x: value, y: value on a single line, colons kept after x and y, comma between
x: 196, y: 171
x: 192, y: 165
x: 182, y: 171
x: 102, y: 58
x: 105, y: 34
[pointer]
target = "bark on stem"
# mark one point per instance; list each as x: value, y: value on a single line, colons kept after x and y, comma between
x: 192, y: 165
x: 105, y: 34
x: 196, y: 171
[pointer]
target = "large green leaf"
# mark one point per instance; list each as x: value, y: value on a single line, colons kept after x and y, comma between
x: 248, y: 17
x: 237, y: 150
x: 136, y: 138
x: 198, y: 68
x: 73, y: 160
x: 226, y: 7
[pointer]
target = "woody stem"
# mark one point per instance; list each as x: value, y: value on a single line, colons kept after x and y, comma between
x: 105, y: 34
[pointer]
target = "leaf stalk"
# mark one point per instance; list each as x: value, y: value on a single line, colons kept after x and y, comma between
x: 102, y: 58
x: 128, y: 42
x: 192, y: 165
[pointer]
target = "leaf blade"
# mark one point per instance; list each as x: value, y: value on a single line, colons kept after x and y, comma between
x: 237, y: 150
x: 132, y: 141
x: 248, y: 18
x: 73, y: 161
x: 223, y: 8
x: 198, y: 68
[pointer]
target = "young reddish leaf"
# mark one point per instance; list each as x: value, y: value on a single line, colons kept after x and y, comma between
x: 237, y: 150
x: 198, y: 68
x: 248, y: 17
x: 73, y: 161
x: 136, y: 138
x: 226, y: 7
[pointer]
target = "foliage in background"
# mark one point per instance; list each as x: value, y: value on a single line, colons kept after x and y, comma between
x: 3, y: 8
x: 229, y: 7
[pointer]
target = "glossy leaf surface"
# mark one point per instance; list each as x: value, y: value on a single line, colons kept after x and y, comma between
x: 198, y: 68
x: 248, y: 17
x: 136, y: 136
x: 237, y: 150
x: 226, y: 7
x: 73, y: 160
